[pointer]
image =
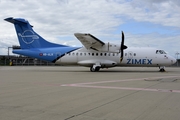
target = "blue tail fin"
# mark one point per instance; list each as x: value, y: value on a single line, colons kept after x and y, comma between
x: 28, y: 38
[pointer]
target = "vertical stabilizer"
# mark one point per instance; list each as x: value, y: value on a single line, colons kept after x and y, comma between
x: 27, y: 37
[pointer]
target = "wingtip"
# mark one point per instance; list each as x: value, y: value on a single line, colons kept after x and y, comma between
x: 77, y: 34
x: 81, y: 34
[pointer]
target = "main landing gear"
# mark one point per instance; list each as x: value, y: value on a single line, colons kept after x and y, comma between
x: 95, y: 68
x: 162, y: 69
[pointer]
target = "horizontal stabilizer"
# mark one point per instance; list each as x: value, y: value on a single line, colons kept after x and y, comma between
x: 17, y: 21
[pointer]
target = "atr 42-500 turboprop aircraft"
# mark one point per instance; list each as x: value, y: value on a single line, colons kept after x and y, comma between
x: 95, y: 54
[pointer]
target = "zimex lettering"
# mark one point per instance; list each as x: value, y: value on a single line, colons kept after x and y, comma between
x: 139, y: 61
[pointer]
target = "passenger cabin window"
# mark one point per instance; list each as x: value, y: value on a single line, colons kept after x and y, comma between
x: 160, y: 52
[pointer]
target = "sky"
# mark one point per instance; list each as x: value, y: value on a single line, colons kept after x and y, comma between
x: 146, y: 23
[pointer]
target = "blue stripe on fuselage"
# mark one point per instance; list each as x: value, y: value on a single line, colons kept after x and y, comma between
x: 47, y: 54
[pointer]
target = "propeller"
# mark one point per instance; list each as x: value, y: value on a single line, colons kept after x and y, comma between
x: 122, y: 47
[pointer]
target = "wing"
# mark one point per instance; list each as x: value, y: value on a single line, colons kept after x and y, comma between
x: 89, y: 41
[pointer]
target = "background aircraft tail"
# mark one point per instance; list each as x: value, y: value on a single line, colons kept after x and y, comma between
x: 27, y: 37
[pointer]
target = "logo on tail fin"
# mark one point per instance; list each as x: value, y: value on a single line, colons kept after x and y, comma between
x: 28, y: 36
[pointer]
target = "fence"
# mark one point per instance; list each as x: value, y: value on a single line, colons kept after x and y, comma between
x: 22, y: 61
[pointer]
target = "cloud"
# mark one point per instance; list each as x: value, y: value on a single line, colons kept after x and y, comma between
x: 58, y: 20
x: 157, y: 11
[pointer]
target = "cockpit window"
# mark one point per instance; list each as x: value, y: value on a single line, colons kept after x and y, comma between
x: 160, y: 52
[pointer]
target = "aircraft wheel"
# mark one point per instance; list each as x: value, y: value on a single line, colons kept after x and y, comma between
x: 97, y: 69
x: 94, y: 70
x: 162, y: 70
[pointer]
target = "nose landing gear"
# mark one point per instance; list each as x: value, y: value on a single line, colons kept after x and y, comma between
x: 162, y: 69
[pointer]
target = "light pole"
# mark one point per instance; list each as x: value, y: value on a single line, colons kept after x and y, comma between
x: 177, y: 53
x: 8, y: 51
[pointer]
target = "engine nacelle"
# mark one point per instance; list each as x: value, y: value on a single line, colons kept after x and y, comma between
x: 109, y: 47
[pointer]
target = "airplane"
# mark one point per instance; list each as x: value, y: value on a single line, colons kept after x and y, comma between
x: 95, y: 54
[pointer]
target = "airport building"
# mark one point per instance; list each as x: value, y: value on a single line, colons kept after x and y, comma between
x: 22, y: 61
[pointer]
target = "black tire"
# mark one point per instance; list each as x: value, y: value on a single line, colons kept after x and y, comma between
x: 97, y: 69
x: 162, y: 70
x: 92, y: 69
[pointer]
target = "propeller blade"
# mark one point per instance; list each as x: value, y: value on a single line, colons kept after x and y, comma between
x: 122, y: 47
x: 121, y: 58
x: 122, y: 42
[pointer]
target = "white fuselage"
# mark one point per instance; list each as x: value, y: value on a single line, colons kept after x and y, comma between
x: 132, y: 57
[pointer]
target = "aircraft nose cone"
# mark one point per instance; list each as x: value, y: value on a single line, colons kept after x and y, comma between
x: 173, y: 60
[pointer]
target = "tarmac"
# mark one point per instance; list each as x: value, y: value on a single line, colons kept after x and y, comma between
x: 75, y: 93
